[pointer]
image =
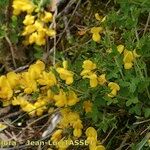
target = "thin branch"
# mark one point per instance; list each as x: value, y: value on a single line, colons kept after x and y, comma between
x: 147, y: 22
x: 52, y: 49
x: 11, y: 50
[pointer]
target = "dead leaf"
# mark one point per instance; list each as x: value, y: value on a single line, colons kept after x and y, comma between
x: 82, y: 32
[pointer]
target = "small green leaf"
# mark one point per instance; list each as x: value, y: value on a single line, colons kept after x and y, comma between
x: 147, y: 112
x: 132, y: 101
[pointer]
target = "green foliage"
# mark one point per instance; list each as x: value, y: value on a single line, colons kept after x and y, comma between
x: 125, y: 24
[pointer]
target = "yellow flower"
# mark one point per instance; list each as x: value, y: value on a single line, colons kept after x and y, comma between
x: 28, y: 30
x: 60, y: 99
x: 22, y: 6
x: 64, y: 99
x: 92, y: 144
x: 100, y: 147
x: 135, y: 54
x: 38, y: 25
x: 65, y: 75
x: 72, y: 98
x: 102, y: 79
x: 29, y: 108
x: 93, y: 79
x: 50, y: 94
x: 47, y: 17
x: 96, y: 33
x: 78, y: 124
x: 65, y: 64
x: 50, y: 32
x: 63, y: 144
x: 5, y: 88
x: 87, y: 105
x: 18, y: 101
x: 40, y: 40
x: 25, y: 105
x: 70, y: 118
x: 36, y: 69
x: 48, y: 79
x: 77, y: 132
x: 2, y: 126
x: 88, y: 65
x: 128, y: 59
x: 91, y: 132
x: 40, y: 106
x: 114, y: 89
x: 13, y: 79
x: 28, y: 83
x: 85, y: 72
x: 33, y: 37
x: 120, y: 48
x: 98, y: 17
x: 29, y: 19
x: 57, y: 135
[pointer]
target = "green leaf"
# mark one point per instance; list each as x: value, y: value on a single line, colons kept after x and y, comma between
x: 136, y: 109
x: 95, y: 113
x: 38, y: 52
x: 132, y: 101
x: 147, y: 112
x: 140, y: 145
x: 2, y: 32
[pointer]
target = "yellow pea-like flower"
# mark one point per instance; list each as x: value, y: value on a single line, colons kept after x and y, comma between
x: 48, y: 17
x: 87, y: 105
x: 13, y: 79
x: 120, y: 48
x: 72, y: 98
x: 60, y: 99
x: 50, y: 32
x: 5, y: 88
x: 28, y: 30
x: 98, y: 17
x: 78, y: 124
x: 102, y: 79
x: 77, y: 132
x: 100, y: 147
x: 29, y: 19
x: 88, y: 65
x: 57, y: 135
x: 65, y: 75
x: 33, y: 37
x: 91, y: 132
x: 114, y: 89
x: 47, y: 78
x: 96, y: 33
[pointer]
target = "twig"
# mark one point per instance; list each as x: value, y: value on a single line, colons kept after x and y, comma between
x: 147, y: 22
x: 4, y: 111
x: 123, y: 142
x: 103, y: 141
x: 140, y: 122
x: 145, y: 130
x: 21, y: 68
x: 81, y: 45
x: 12, y: 51
x: 52, y: 49
x: 11, y: 115
x: 65, y: 10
